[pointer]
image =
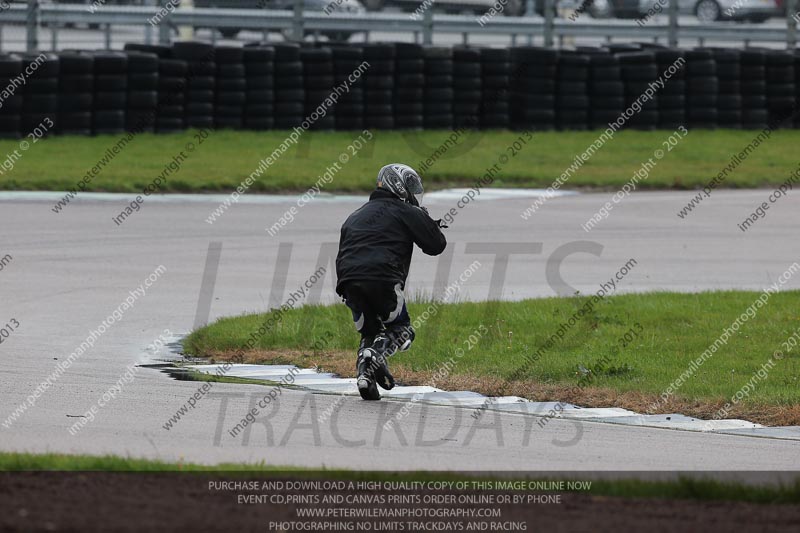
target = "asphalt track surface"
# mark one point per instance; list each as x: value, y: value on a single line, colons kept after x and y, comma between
x: 69, y: 271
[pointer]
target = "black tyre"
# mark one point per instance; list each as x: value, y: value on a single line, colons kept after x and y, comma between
x: 10, y: 66
x: 233, y: 70
x: 75, y: 120
x: 42, y: 103
x: 169, y: 124
x: 110, y: 82
x: 379, y: 122
x: 413, y: 66
x: 705, y: 67
x: 285, y: 122
x: 289, y: 109
x: 259, y: 96
x: 258, y: 54
x: 378, y: 109
x: 173, y: 68
x: 439, y: 94
x: 199, y: 109
x: 671, y: 101
x: 438, y: 121
x: 232, y: 98
x: 260, y: 82
x: 193, y: 51
x: 201, y: 83
x: 12, y: 105
x: 410, y: 80
x: 141, y: 63
x: 101, y: 100
x: 379, y: 97
x: 48, y: 65
x: 374, y: 82
x: 41, y: 85
x: 572, y: 87
x: 290, y: 95
x: 285, y: 52
x: 439, y: 66
x: 108, y: 63
x: 171, y: 84
x: 231, y: 84
x: 608, y: 88
x: 259, y: 123
x: 288, y: 82
x: 408, y: 108
x: 224, y: 55
x: 162, y: 51
x: 200, y: 96
x: 199, y: 121
x: 606, y: 73
x: 408, y: 94
x: 142, y: 99
x: 143, y: 81
x: 228, y: 122
x: 259, y: 110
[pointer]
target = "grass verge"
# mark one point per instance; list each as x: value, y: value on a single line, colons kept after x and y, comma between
x: 691, y: 488
x: 226, y: 158
x: 626, y: 352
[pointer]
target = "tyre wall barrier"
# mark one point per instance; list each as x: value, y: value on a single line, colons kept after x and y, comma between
x: 263, y: 86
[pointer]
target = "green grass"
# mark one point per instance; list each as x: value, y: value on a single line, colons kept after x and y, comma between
x: 227, y: 157
x: 683, y: 488
x: 674, y: 330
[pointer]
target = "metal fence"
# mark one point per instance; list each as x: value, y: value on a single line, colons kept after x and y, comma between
x: 295, y: 24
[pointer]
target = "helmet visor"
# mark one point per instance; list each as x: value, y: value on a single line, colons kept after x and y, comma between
x: 414, y: 187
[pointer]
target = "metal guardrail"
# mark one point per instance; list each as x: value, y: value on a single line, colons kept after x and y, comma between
x: 299, y: 23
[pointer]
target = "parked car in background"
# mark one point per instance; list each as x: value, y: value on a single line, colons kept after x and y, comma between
x: 93, y: 4
x: 328, y: 6
x: 626, y: 9
x: 711, y: 10
x: 512, y: 8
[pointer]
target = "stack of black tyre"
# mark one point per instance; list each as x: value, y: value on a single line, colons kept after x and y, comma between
x: 672, y: 97
x: 11, y: 109
x: 639, y: 71
x: 495, y: 89
x: 754, y: 89
x: 318, y: 83
x: 797, y: 87
x: 110, y: 92
x: 40, y: 93
x: 142, y: 101
x: 702, y: 88
x: 438, y: 99
x: 200, y: 82
x: 172, y: 83
x: 170, y: 90
x: 572, y: 100
x: 533, y: 87
x: 350, y: 108
x: 289, y: 93
x: 467, y: 87
x: 409, y: 79
x: 729, y: 99
x: 259, y: 67
x: 230, y: 87
x: 780, y: 88
x: 76, y: 93
x: 606, y: 89
x: 379, y: 86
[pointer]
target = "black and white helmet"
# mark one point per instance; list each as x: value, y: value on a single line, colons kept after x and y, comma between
x: 402, y: 181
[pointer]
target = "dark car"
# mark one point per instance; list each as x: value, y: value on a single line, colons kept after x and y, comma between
x: 327, y: 6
